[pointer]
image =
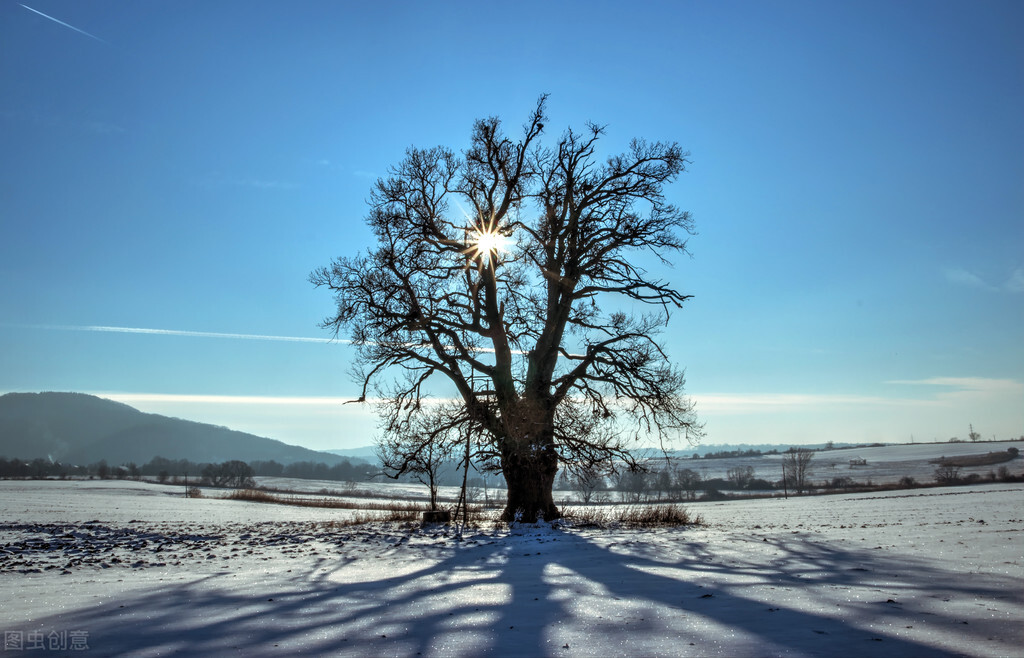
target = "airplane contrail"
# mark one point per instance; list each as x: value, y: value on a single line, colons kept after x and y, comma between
x: 216, y: 334
x: 55, y: 20
x: 194, y: 334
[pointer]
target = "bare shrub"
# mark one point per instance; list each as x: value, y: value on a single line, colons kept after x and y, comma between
x: 643, y: 516
x: 259, y: 496
x: 947, y: 474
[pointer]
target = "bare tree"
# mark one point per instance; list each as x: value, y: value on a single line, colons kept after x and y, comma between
x: 488, y: 272
x: 633, y: 484
x: 420, y: 445
x: 688, y: 481
x: 796, y: 467
x: 585, y: 482
x: 234, y: 473
x: 947, y: 474
x: 741, y: 476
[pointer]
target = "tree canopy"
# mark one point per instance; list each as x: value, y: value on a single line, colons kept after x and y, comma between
x: 501, y: 271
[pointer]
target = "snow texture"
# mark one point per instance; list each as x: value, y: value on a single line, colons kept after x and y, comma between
x: 146, y: 572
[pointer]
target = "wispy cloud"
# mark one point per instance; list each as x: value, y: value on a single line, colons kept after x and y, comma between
x: 962, y: 277
x: 1016, y: 281
x: 180, y: 332
x: 216, y: 334
x: 749, y: 403
x: 174, y: 398
x: 966, y: 384
x: 60, y: 22
x: 947, y: 389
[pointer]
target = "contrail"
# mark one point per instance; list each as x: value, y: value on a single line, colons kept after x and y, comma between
x: 216, y: 334
x: 194, y: 334
x: 92, y: 36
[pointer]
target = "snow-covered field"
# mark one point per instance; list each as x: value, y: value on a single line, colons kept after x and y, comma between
x: 884, y: 464
x: 134, y: 569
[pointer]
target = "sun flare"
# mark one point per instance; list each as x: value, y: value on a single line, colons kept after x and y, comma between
x: 490, y: 242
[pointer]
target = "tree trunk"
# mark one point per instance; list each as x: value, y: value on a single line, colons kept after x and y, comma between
x: 530, y: 478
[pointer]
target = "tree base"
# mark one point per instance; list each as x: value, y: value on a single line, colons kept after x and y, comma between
x: 437, y: 516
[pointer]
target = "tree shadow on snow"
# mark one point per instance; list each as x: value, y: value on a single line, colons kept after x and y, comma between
x: 547, y: 593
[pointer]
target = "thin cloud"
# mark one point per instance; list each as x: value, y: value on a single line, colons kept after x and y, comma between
x: 215, y: 334
x: 60, y: 22
x: 751, y: 403
x: 1016, y: 281
x: 193, y: 334
x: 962, y: 277
x: 965, y: 384
x: 175, y: 398
x: 949, y: 389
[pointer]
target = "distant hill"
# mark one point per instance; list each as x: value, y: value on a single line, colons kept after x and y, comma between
x: 75, y: 428
x: 366, y: 454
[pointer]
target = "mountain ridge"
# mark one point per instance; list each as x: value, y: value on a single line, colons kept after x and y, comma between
x: 79, y: 428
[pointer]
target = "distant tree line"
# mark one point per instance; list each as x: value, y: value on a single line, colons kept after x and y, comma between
x: 233, y: 473
x: 727, y: 454
x: 654, y: 481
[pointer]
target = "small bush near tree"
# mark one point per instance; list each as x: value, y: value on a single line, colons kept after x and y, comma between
x: 947, y: 474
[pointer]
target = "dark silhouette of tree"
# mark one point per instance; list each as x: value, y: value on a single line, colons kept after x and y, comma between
x: 688, y: 481
x: 947, y: 474
x: 633, y: 485
x: 741, y: 476
x: 585, y: 481
x: 422, y: 447
x: 232, y: 473
x: 511, y: 271
x: 796, y: 464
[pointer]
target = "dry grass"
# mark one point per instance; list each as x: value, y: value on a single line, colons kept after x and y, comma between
x: 259, y: 496
x: 977, y: 460
x: 638, y: 516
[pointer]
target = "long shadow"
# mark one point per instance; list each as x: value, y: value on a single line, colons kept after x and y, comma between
x: 536, y: 595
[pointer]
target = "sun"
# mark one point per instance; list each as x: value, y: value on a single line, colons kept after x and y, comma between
x: 487, y: 244
x: 490, y: 242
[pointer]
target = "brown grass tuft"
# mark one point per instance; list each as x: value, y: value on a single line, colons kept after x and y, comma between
x: 258, y: 496
x: 639, y: 516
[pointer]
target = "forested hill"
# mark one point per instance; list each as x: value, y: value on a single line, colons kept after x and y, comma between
x: 75, y: 428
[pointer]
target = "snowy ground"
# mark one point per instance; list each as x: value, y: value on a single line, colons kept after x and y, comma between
x: 144, y: 572
x: 884, y: 464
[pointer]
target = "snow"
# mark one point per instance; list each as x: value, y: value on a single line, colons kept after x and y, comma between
x: 931, y: 572
x: 885, y: 464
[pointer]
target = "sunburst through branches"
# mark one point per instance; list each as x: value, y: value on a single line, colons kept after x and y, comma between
x: 485, y: 243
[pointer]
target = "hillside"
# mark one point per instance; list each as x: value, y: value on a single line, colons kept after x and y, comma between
x: 75, y: 428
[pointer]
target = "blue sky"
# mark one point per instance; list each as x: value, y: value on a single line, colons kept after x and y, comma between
x: 856, y: 181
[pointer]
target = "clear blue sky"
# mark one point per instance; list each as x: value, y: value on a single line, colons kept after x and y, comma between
x: 857, y: 182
